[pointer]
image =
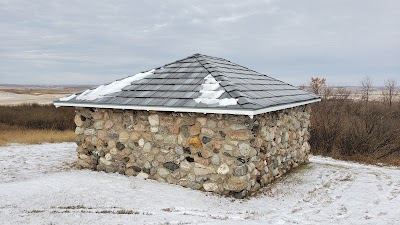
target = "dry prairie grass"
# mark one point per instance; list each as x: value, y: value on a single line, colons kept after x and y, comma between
x: 35, y: 136
x: 42, y: 90
x: 34, y: 124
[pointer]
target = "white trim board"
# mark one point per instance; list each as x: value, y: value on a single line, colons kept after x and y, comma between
x: 246, y: 112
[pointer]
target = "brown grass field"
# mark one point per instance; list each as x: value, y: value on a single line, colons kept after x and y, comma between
x: 26, y: 115
x: 35, y: 136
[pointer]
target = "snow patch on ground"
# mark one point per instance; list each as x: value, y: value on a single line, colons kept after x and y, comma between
x: 116, y: 86
x: 325, y: 191
x: 210, y: 93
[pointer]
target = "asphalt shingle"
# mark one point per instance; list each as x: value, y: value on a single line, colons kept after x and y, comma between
x: 177, y: 84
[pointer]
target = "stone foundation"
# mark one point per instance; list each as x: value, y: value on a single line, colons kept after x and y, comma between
x: 225, y: 154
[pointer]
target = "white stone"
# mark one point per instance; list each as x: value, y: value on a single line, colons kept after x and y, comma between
x: 153, y: 129
x: 275, y: 172
x: 141, y: 142
x: 83, y: 156
x: 202, y: 120
x: 180, y: 139
x: 123, y: 136
x: 185, y: 166
x: 147, y: 147
x: 105, y: 161
x: 162, y: 172
x: 114, y: 151
x: 200, y: 170
x: 244, y: 149
x: 143, y: 175
x: 108, y: 156
x: 228, y: 147
x: 78, y: 130
x: 223, y: 169
x: 215, y: 159
x: 238, y: 127
x: 158, y: 137
x: 178, y: 149
x: 210, y: 186
x: 153, y: 120
x: 90, y: 132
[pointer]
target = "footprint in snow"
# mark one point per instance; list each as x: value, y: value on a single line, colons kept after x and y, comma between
x: 393, y: 194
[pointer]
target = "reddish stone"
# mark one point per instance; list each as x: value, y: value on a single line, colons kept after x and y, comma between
x: 139, y: 127
x: 174, y: 129
x: 108, y: 124
x: 240, y: 135
x: 206, y: 153
x: 135, y: 136
x: 194, y: 130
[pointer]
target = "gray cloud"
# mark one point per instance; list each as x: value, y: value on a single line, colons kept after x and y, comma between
x: 92, y: 42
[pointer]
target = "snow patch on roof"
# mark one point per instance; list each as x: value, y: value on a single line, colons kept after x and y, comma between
x: 67, y: 98
x: 210, y: 93
x: 116, y: 86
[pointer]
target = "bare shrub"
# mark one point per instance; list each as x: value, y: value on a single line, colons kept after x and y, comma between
x: 35, y: 116
x: 346, y: 129
x: 366, y: 85
x: 389, y: 92
x: 352, y: 130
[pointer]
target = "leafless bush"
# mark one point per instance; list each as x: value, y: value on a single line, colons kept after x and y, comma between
x: 366, y: 85
x: 344, y: 129
x: 389, y: 91
x: 35, y: 116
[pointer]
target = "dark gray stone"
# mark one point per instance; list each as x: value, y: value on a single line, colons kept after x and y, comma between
x: 189, y: 159
x: 136, y: 169
x: 121, y: 168
x: 120, y: 146
x: 227, y: 154
x: 186, y: 150
x: 146, y: 170
x: 171, y: 166
x: 112, y: 134
x: 240, y: 161
x: 185, y: 131
x: 239, y: 195
x: 240, y: 170
x: 206, y: 139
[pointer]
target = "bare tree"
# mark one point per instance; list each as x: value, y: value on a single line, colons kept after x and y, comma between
x: 317, y: 85
x: 342, y: 93
x: 389, y: 91
x: 366, y: 88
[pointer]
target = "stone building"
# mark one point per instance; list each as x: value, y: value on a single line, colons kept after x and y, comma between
x: 201, y: 122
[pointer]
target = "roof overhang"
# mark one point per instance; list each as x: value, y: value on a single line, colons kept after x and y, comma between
x: 247, y: 112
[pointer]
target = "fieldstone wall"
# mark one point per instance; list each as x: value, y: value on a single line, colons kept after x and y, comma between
x: 225, y: 154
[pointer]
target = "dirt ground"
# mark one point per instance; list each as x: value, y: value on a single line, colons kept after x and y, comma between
x: 14, y: 95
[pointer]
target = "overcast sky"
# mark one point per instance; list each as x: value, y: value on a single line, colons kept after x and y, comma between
x: 93, y: 42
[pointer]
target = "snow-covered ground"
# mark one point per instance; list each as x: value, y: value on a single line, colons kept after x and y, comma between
x: 39, y: 185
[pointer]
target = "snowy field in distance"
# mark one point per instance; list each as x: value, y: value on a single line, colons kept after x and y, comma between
x: 38, y: 185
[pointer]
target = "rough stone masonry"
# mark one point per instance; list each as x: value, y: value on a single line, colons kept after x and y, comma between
x: 226, y: 154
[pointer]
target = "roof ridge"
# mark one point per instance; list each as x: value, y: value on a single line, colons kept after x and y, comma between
x: 188, y: 57
x: 212, y: 73
x: 235, y: 89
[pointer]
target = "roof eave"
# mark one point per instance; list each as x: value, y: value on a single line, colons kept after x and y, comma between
x: 247, y: 112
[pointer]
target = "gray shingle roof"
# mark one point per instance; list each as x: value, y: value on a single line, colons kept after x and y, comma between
x: 177, y: 84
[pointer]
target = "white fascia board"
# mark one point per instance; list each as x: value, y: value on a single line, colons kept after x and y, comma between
x: 246, y: 112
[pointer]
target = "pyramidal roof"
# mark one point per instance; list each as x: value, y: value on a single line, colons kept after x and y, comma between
x: 198, y: 83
